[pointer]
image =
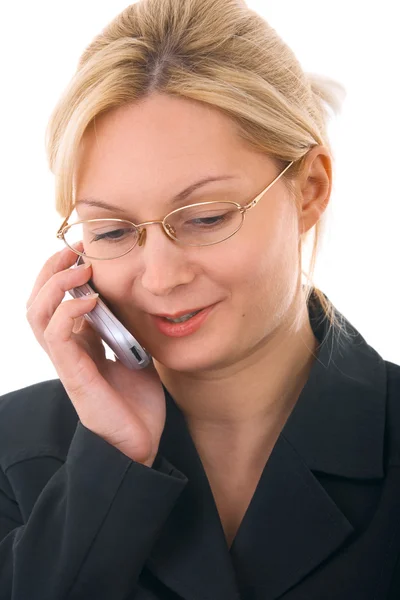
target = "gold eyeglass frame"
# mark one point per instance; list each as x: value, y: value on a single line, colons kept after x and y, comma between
x: 167, y: 230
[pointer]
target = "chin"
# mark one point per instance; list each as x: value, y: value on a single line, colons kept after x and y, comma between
x: 185, y: 360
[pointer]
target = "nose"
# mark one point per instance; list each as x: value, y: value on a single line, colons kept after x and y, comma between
x: 164, y: 263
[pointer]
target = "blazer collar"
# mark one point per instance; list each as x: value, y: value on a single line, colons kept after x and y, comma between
x: 291, y: 525
x: 337, y: 425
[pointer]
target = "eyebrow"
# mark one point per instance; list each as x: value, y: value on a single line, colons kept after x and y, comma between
x: 177, y: 198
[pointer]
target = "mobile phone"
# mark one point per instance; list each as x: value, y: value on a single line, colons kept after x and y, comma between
x: 124, y: 346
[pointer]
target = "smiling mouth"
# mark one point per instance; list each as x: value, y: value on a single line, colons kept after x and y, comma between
x: 183, y: 318
x: 182, y: 324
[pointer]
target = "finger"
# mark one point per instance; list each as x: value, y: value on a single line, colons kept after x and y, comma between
x: 73, y: 364
x: 57, y: 262
x: 50, y: 296
x: 81, y: 376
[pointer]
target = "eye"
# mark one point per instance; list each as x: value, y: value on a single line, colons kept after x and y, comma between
x: 115, y: 234
x: 207, y: 220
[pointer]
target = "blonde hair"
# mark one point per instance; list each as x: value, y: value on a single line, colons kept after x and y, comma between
x: 214, y: 51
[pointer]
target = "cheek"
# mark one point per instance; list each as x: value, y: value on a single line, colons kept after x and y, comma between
x: 262, y: 274
x: 111, y: 285
x: 263, y: 256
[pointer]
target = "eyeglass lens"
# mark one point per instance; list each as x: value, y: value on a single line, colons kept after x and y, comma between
x: 200, y: 225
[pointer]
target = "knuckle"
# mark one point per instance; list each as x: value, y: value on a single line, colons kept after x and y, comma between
x: 58, y: 285
x: 55, y: 265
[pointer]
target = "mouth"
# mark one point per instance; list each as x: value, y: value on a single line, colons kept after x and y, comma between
x: 182, y: 323
x: 182, y: 316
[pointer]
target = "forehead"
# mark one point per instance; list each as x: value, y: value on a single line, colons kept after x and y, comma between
x: 160, y: 138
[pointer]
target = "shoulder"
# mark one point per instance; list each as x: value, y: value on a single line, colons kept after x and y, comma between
x: 38, y: 420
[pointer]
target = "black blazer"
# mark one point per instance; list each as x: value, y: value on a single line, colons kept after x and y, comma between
x: 80, y: 520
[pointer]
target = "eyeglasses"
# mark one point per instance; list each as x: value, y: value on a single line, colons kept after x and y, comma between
x: 200, y: 224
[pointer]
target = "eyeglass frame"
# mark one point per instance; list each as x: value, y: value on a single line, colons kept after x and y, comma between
x: 141, y: 226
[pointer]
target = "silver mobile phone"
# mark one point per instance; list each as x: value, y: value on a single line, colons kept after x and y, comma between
x: 125, y: 347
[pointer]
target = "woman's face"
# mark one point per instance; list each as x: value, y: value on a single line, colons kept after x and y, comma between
x: 137, y: 159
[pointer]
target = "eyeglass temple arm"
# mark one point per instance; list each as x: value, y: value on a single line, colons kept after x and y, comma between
x: 261, y: 194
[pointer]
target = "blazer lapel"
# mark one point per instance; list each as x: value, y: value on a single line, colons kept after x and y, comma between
x: 290, y: 527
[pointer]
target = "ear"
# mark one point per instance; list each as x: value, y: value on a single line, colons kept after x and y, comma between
x: 314, y: 185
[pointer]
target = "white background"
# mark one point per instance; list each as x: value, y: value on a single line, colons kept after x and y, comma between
x: 355, y: 42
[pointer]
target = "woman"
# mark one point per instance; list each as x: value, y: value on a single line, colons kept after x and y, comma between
x: 257, y: 457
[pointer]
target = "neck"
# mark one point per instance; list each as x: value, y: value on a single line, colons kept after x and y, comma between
x: 242, y: 408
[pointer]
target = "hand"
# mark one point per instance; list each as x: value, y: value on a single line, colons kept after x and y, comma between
x: 124, y: 407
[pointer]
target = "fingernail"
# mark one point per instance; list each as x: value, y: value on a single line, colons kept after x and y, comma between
x: 84, y: 265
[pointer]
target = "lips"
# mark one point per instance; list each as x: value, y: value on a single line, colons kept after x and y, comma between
x: 183, y: 328
x: 181, y: 313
